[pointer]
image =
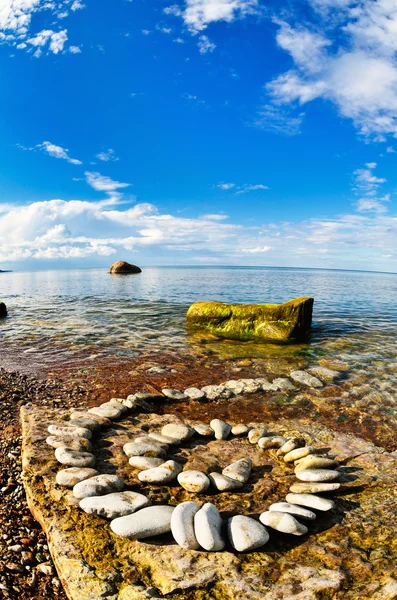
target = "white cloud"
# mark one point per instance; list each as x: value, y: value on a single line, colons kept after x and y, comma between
x: 198, y: 14
x: 390, y: 150
x: 366, y: 186
x: 108, y: 155
x: 242, y: 189
x: 74, y: 50
x: 102, y: 183
x: 205, y: 45
x: 226, y: 186
x: 54, y: 151
x: 257, y: 250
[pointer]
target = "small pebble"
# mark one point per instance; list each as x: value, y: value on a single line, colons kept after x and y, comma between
x: 313, y: 488
x: 147, y: 522
x: 220, y: 428
x: 291, y: 444
x: 316, y: 475
x: 69, y: 477
x: 99, y: 485
x: 240, y: 429
x: 299, y: 453
x: 207, y: 528
x: 139, y: 449
x: 194, y: 481
x: 271, y: 442
x: 223, y: 483
x: 182, y: 525
x: 255, y: 434
x: 116, y: 504
x: 165, y: 473
x: 283, y: 522
x: 246, y: 534
x: 145, y: 462
x: 178, y: 431
x: 240, y: 470
x: 316, y: 502
x: 292, y: 509
x: 203, y: 429
x: 72, y: 431
x: 86, y: 423
x: 316, y: 462
x: 74, y: 458
x: 195, y: 394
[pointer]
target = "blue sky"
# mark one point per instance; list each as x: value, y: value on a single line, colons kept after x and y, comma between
x: 199, y: 132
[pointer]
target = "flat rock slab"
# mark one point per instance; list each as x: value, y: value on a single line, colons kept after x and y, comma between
x: 347, y: 554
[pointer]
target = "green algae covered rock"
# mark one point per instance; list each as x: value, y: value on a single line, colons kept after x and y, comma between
x: 3, y: 310
x: 263, y: 322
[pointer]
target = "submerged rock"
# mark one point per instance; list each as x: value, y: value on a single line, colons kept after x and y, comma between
x: 147, y: 522
x: 123, y: 268
x: 246, y: 534
x: 182, y: 525
x: 306, y: 379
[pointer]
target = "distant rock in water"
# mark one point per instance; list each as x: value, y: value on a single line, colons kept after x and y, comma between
x: 3, y: 310
x: 263, y: 322
x: 122, y: 268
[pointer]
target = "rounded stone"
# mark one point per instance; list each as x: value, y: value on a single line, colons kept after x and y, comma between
x: 299, y: 453
x: 178, y: 431
x: 69, y: 477
x: 109, y: 412
x: 194, y: 481
x: 240, y: 470
x: 236, y: 386
x: 240, y: 429
x: 246, y: 534
x: 146, y: 439
x: 316, y: 462
x: 68, y: 441
x: 147, y: 522
x: 173, y: 394
x: 255, y: 434
x: 271, y: 442
x: 165, y: 440
x: 311, y: 501
x: 306, y: 379
x: 221, y: 429
x: 99, y: 485
x: 138, y: 449
x: 203, y: 429
x: 182, y: 525
x: 121, y: 267
x: 293, y: 509
x: 72, y: 431
x: 74, y: 458
x: 313, y: 488
x: 195, y: 393
x: 90, y: 424
x: 316, y: 475
x: 82, y: 414
x: 283, y: 522
x: 291, y: 444
x: 215, y: 392
x: 207, y: 528
x: 114, y: 505
x: 145, y: 462
x: 223, y: 483
x: 117, y: 403
x: 165, y: 473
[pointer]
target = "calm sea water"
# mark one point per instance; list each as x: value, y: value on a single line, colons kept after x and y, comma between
x: 53, y: 315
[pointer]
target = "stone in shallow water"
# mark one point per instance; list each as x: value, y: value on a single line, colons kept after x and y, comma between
x: 316, y: 462
x: 235, y: 385
x: 316, y: 502
x: 246, y: 534
x: 306, y: 379
x: 221, y: 429
x: 255, y: 434
x: 207, y: 528
x: 283, y: 383
x: 324, y: 373
x: 99, y: 485
x: 265, y: 384
x: 291, y: 444
x: 69, y: 477
x: 68, y: 441
x: 240, y: 470
x: 72, y: 431
x: 165, y: 473
x: 109, y: 412
x: 316, y: 474
x: 173, y: 394
x: 139, y: 449
x: 292, y: 509
x: 223, y: 483
x: 74, y: 458
x: 195, y: 394
x: 182, y: 525
x: 240, y: 429
x: 251, y: 386
x: 86, y: 423
x: 215, y: 392
x: 194, y: 481
x: 299, y: 453
x: 203, y: 429
x: 284, y: 522
x: 164, y: 440
x: 178, y: 431
x: 145, y: 462
x: 116, y: 504
x: 313, y: 488
x: 147, y: 522
x: 271, y: 442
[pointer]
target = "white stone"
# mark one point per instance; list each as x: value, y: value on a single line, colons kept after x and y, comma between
x: 195, y: 393
x: 99, y: 485
x: 291, y: 444
x: 271, y: 442
x: 246, y: 534
x: 316, y: 474
x: 240, y: 429
x: 147, y: 522
x: 223, y: 483
x: 283, y: 522
x: 221, y: 429
x: 240, y: 470
x: 165, y: 473
x: 72, y: 431
x: 215, y: 392
x: 251, y: 386
x: 283, y: 383
x: 69, y: 441
x: 164, y: 440
x: 74, y: 458
x: 117, y: 403
x: 266, y: 385
x: 139, y: 449
x: 178, y: 431
x: 316, y: 502
x: 203, y: 429
x: 194, y: 481
x: 292, y: 509
x: 108, y: 411
x: 313, y: 488
x: 255, y: 434
x: 69, y: 477
x: 324, y: 373
x: 173, y: 394
x: 316, y: 462
x: 306, y: 379
x: 207, y: 528
x: 116, y: 504
x: 86, y: 423
x: 235, y: 385
x: 299, y: 453
x: 182, y: 525
x: 145, y: 462
x: 146, y: 439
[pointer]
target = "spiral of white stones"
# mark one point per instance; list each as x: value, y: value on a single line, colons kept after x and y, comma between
x: 193, y: 526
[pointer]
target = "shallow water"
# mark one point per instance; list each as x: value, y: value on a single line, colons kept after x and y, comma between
x: 54, y: 315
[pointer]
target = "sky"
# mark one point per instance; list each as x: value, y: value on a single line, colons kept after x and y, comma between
x: 198, y: 132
